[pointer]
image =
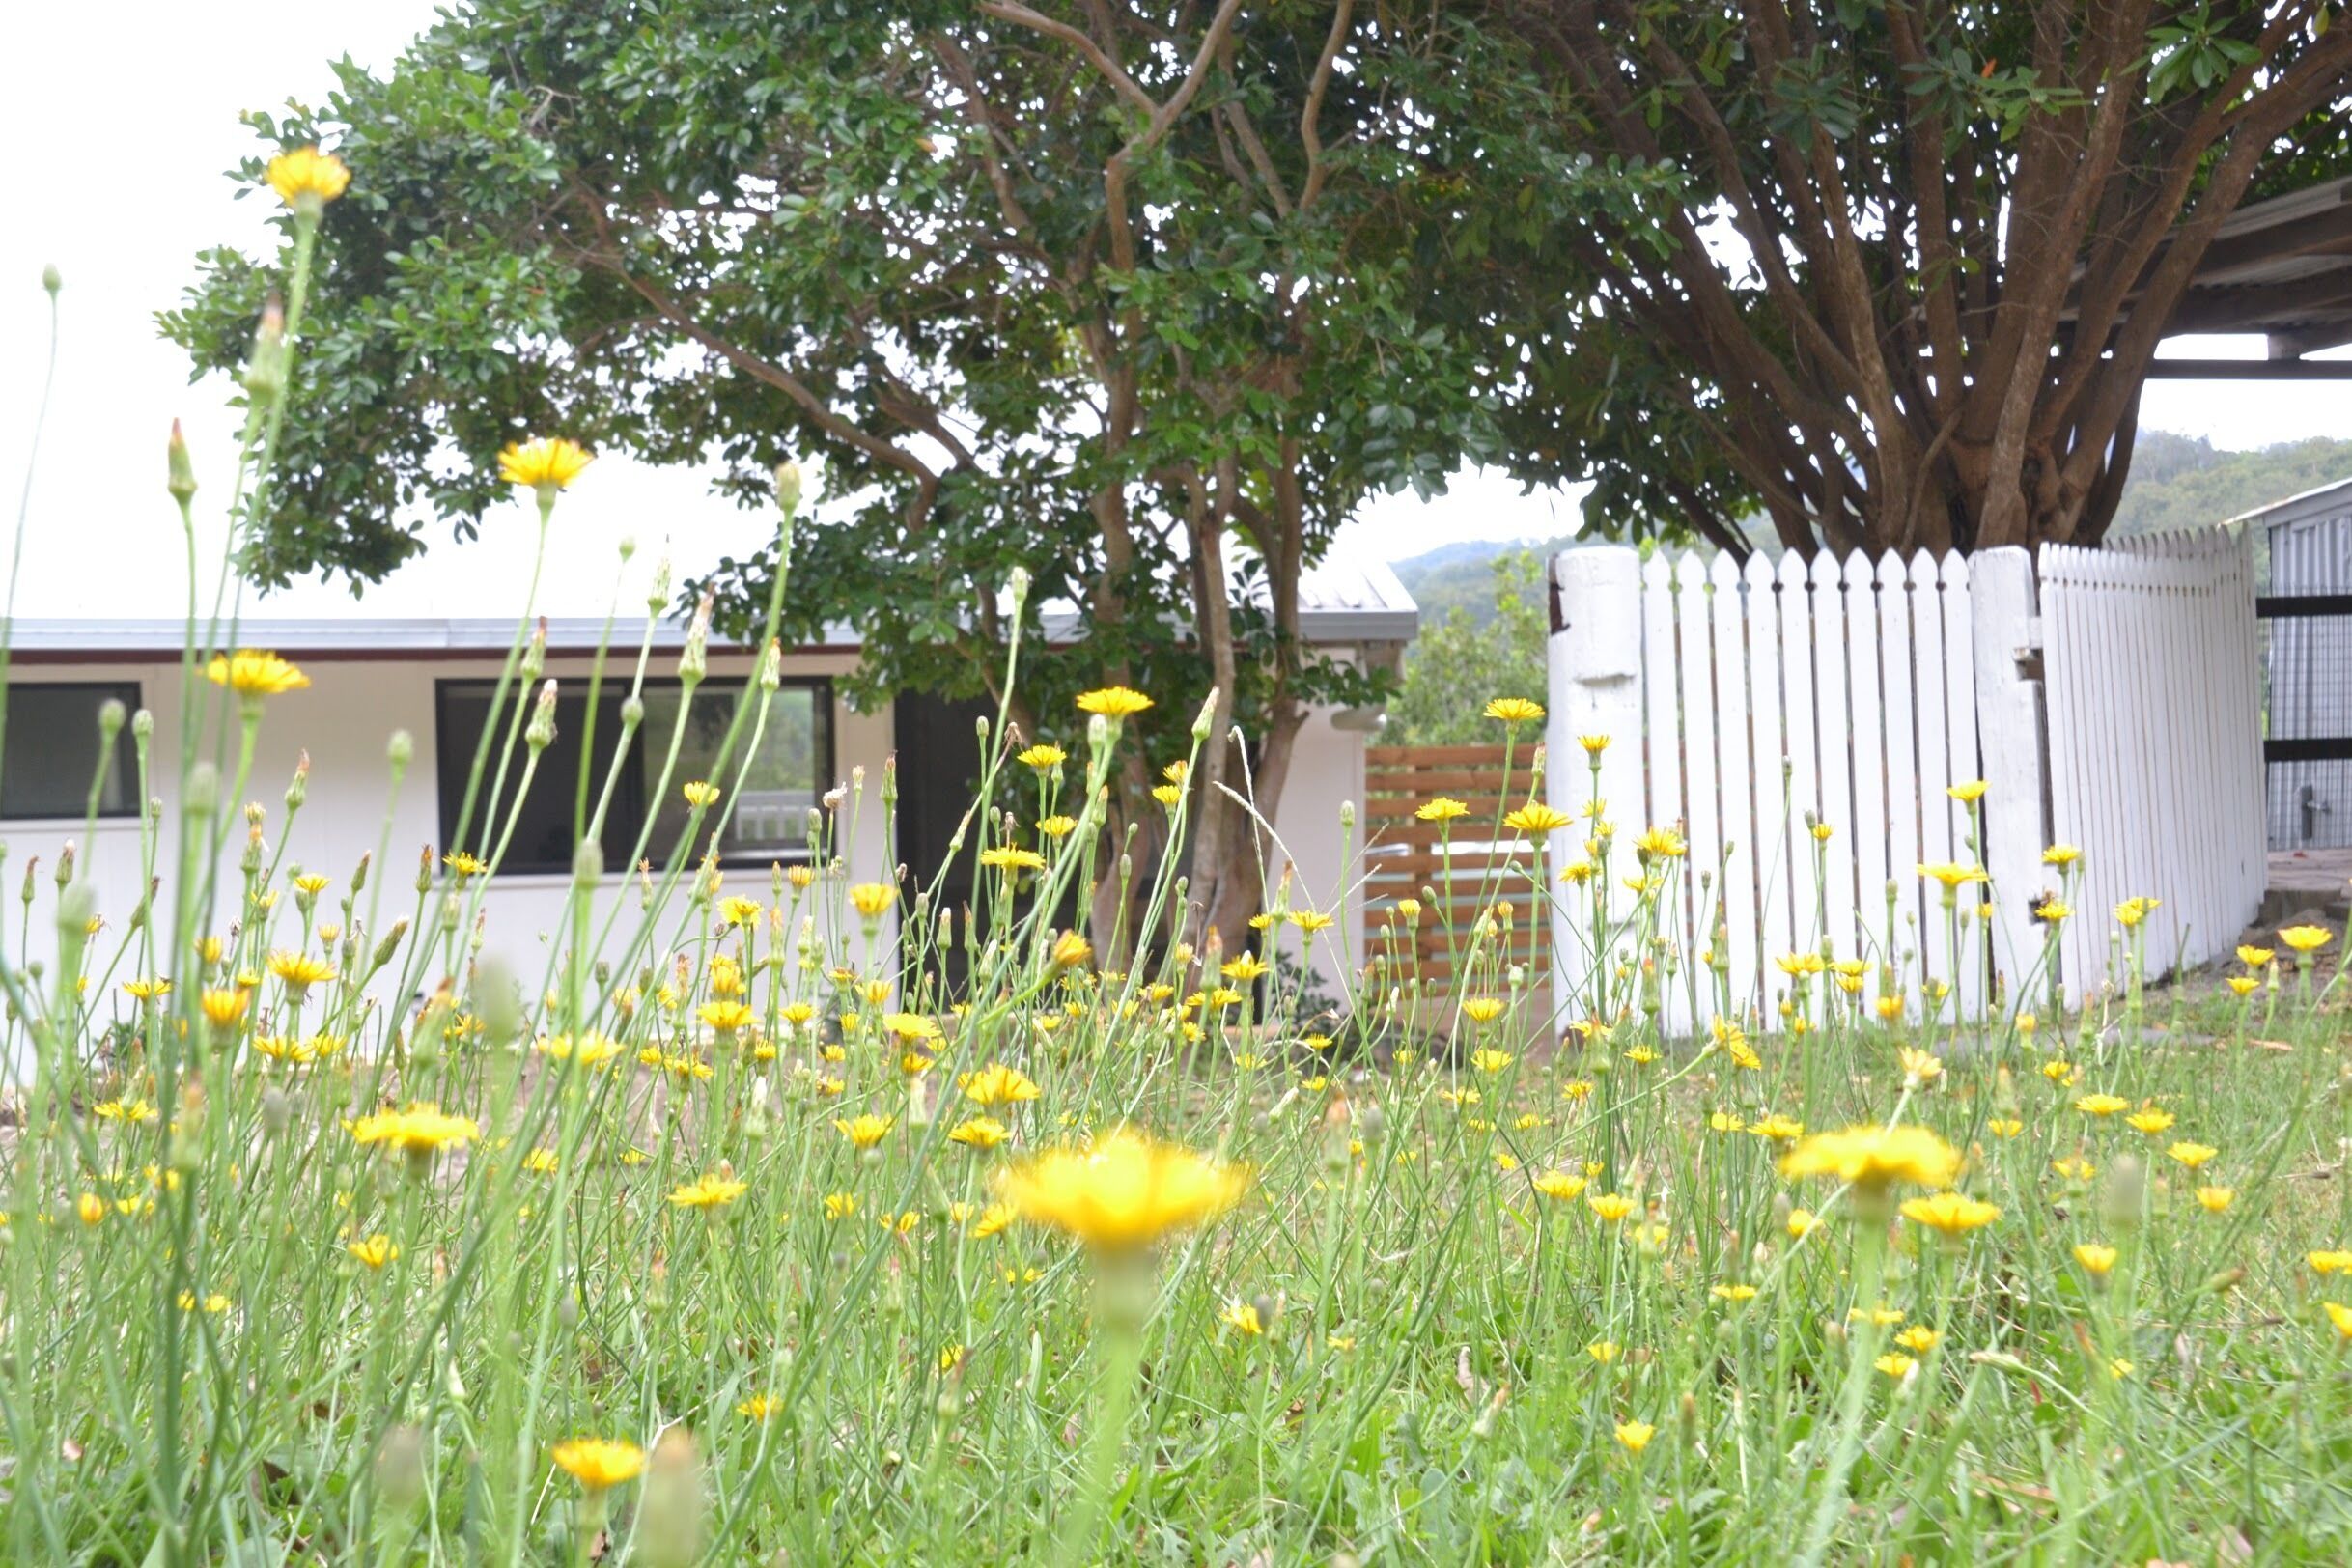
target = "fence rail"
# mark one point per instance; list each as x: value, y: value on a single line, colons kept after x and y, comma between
x: 1455, y: 872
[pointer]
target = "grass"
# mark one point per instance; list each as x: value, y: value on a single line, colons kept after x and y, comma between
x: 1483, y: 1301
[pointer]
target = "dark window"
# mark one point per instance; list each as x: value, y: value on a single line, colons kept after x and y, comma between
x: 770, y: 822
x: 53, y: 750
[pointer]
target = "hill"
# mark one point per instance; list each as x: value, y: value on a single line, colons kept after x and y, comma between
x: 2177, y: 482
x: 2185, y: 482
x: 1462, y: 576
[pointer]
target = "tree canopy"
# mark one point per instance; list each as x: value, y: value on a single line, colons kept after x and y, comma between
x: 1901, y: 283
x: 1142, y: 299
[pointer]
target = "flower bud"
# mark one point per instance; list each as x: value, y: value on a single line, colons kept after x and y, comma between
x: 400, y: 749
x: 276, y: 1110
x: 180, y: 472
x: 535, y: 653
x: 693, y: 660
x: 632, y: 713
x: 587, y: 864
x: 771, y: 666
x: 658, y: 593
x: 539, y: 733
x: 299, y: 790
x: 51, y: 280
x: 265, y: 366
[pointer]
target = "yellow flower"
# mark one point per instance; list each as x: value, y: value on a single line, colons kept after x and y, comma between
x: 420, y: 1129
x: 2053, y: 911
x: 1800, y: 965
x: 1636, y: 1435
x: 1243, y: 1315
x: 1123, y: 1192
x: 864, y: 1130
x: 1043, y: 757
x: 2306, y: 938
x: 759, y: 1406
x: 980, y: 1133
x: 91, y: 1209
x: 1011, y: 857
x: 2255, y: 958
x: 1969, y: 793
x: 1603, y: 1350
x: 871, y: 898
x: 1725, y: 1121
x: 146, y: 990
x: 135, y: 1111
x: 1801, y: 1222
x: 2242, y: 984
x: 2132, y: 911
x: 1535, y: 816
x: 1247, y: 967
x: 997, y: 1084
x: 2341, y: 1318
x: 2061, y: 855
x: 299, y: 970
x: 1057, y: 825
x: 1309, y: 921
x: 1559, y: 1186
x: 1895, y: 1364
x: 1918, y: 1338
x: 589, y: 1049
x: 911, y: 1028
x: 541, y: 1163
x: 1114, y: 702
x: 2077, y: 1169
x: 1167, y: 795
x: 708, y: 1192
x: 1951, y: 874
x: 840, y: 1205
x: 1515, y: 710
x: 739, y: 910
x: 2329, y: 1263
x: 2004, y: 1127
x: 2058, y: 1072
x: 1444, y: 808
x: 463, y: 864
x: 2149, y: 1120
x: 1776, y: 1129
x: 1734, y: 1293
x: 2096, y: 1256
x: 1659, y: 844
x: 599, y: 1463
x: 306, y: 174
x: 1610, y: 1207
x: 1950, y: 1213
x: 2100, y: 1104
x: 376, y: 1252
x: 2215, y: 1199
x: 547, y: 465
x: 1593, y: 744
x: 726, y: 1017
x: 252, y: 673
x: 1872, y: 1158
x: 1919, y: 1067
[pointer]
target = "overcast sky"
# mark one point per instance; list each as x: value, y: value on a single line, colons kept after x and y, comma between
x: 120, y: 118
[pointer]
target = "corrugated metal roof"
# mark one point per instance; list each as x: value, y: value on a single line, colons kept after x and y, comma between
x: 2319, y: 499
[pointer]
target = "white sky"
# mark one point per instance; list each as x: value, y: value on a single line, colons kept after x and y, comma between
x: 122, y: 209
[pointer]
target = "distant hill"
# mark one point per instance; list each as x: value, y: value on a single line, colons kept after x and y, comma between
x: 2177, y: 482
x: 2185, y: 482
x: 1462, y: 576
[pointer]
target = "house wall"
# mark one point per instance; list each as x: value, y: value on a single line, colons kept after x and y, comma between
x: 345, y: 721
x: 1327, y: 772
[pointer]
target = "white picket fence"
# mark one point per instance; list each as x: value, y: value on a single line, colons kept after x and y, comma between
x: 2155, y: 742
x: 1740, y: 704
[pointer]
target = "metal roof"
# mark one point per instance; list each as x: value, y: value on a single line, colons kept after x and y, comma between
x: 2282, y: 268
x: 1356, y: 601
x: 2320, y: 500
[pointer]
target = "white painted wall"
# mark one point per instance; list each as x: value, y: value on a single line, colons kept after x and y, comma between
x: 1325, y: 772
x: 345, y: 720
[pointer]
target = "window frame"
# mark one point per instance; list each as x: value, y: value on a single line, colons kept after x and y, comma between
x: 134, y: 698
x: 445, y: 808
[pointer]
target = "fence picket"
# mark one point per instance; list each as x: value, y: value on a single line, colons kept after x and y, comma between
x: 1865, y: 831
x: 1797, y: 613
x: 1833, y: 719
x: 1771, y: 769
x: 1735, y: 778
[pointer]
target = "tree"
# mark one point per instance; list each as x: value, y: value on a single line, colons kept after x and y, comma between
x: 1138, y: 297
x: 1900, y: 267
x: 1464, y: 658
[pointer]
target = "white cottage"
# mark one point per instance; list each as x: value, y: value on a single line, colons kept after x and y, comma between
x: 433, y: 678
